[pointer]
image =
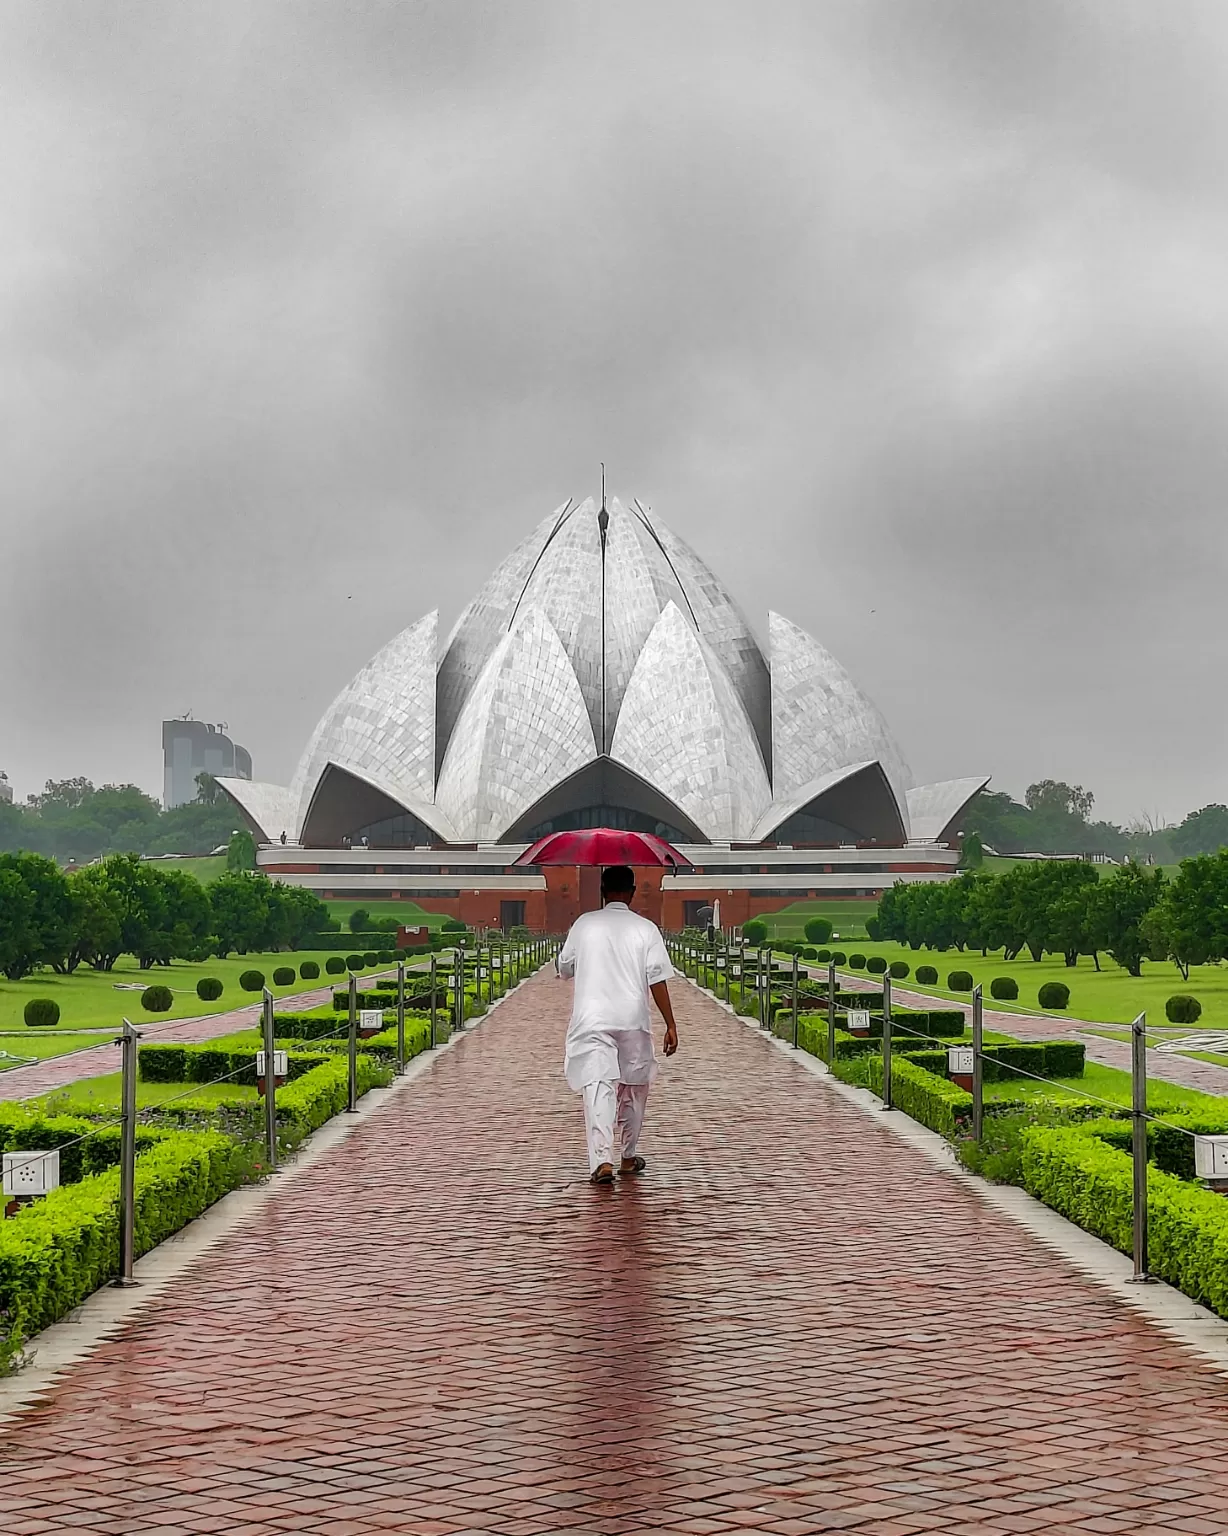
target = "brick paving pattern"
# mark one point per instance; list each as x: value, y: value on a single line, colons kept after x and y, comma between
x: 794, y: 1323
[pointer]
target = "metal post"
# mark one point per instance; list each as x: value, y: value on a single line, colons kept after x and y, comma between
x: 978, y: 1066
x: 352, y: 1048
x: 887, y: 1104
x: 127, y: 1157
x: 1138, y: 1083
x: 794, y: 1041
x: 434, y: 1005
x: 765, y: 989
x: 400, y: 1015
x: 741, y: 975
x: 831, y: 1014
x: 458, y: 988
x: 270, y: 1083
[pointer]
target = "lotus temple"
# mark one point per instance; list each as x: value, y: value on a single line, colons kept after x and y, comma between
x: 603, y: 676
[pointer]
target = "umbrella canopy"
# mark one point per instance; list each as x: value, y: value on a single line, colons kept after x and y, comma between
x: 602, y: 846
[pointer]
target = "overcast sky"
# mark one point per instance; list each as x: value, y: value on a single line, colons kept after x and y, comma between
x: 911, y: 317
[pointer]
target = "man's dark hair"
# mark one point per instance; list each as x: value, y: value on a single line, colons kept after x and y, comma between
x: 618, y: 880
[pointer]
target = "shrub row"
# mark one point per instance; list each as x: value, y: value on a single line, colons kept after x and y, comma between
x: 1047, y: 1058
x: 29, y: 1130
x: 209, y: 1063
x: 934, y: 1101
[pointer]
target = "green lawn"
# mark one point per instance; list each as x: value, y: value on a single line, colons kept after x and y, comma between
x: 205, y: 869
x: 89, y: 999
x: 407, y: 912
x: 42, y: 1044
x: 1107, y: 996
x: 1107, y: 1083
x: 102, y: 1093
x: 847, y: 917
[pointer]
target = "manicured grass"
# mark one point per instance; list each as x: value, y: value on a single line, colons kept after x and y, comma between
x: 205, y: 869
x: 847, y: 917
x: 407, y: 912
x: 1107, y: 1083
x: 1108, y: 996
x: 102, y: 1093
x: 43, y: 1044
x: 89, y: 1000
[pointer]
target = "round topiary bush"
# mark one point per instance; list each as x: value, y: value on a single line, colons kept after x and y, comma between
x: 209, y: 989
x: 754, y: 932
x: 371, y: 957
x: 876, y: 965
x: 857, y: 962
x: 817, y: 930
x: 927, y: 976
x: 838, y: 957
x: 334, y: 966
x: 354, y: 962
x: 387, y: 957
x: 41, y: 1013
x: 157, y: 999
x: 252, y: 981
x: 822, y: 956
x: 960, y: 981
x: 284, y: 976
x: 899, y: 969
x: 1182, y: 1009
x: 1005, y: 988
x: 310, y: 970
x: 452, y: 925
x: 1054, y: 994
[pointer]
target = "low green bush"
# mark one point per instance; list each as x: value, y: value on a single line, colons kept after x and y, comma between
x: 354, y: 962
x: 959, y: 981
x: 927, y: 976
x: 310, y: 970
x: 926, y: 1097
x: 165, y: 1063
x: 876, y: 965
x: 1064, y: 1058
x: 817, y: 930
x: 371, y: 957
x: 57, y: 1251
x: 284, y: 976
x: 822, y: 956
x: 334, y: 965
x: 838, y: 957
x: 755, y: 932
x: 252, y: 981
x: 857, y: 962
x: 85, y: 1147
x: 1004, y: 988
x: 41, y: 1013
x: 898, y: 970
x: 387, y: 957
x: 157, y: 999
x: 1053, y: 994
x: 209, y: 989
x: 808, y: 952
x: 452, y: 925
x: 1182, y: 1009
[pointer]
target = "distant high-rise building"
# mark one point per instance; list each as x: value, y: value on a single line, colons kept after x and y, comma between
x: 191, y: 747
x: 6, y: 789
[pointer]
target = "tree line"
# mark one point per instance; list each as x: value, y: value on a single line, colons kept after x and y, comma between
x: 1063, y: 907
x: 73, y: 822
x: 123, y: 905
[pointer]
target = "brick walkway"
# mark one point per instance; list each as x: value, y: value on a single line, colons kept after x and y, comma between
x: 793, y: 1324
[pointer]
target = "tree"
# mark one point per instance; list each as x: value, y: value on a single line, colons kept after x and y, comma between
x: 1189, y: 923
x: 293, y: 914
x: 189, y: 917
x: 209, y: 791
x: 241, y: 852
x: 360, y: 920
x: 240, y: 904
x: 97, y: 933
x: 138, y: 897
x: 1052, y: 796
x: 44, y: 935
x: 18, y: 928
x: 1204, y: 831
x: 1120, y: 910
x: 972, y: 852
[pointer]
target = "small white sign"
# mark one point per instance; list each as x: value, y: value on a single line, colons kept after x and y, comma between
x: 859, y: 1021
x: 1210, y: 1157
x: 31, y: 1173
x: 370, y: 1021
x: 280, y: 1063
x: 960, y: 1060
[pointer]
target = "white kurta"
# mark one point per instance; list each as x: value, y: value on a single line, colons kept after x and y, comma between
x: 615, y: 956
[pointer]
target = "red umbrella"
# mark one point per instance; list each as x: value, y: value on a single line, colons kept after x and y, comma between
x: 601, y: 846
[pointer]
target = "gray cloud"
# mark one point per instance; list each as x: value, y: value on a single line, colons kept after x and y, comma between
x: 308, y: 311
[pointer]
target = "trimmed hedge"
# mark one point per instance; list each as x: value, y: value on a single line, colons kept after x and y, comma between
x: 1054, y: 994
x: 822, y: 956
x: 371, y: 957
x: 41, y: 1013
x: 335, y: 965
x: 817, y: 930
x: 59, y: 1250
x: 1004, y: 988
x: 876, y: 965
x: 252, y: 981
x: 926, y: 1097
x: 898, y: 969
x: 1091, y: 1184
x: 157, y: 999
x: 355, y: 962
x: 207, y: 1063
x: 838, y: 957
x: 754, y: 932
x: 284, y: 976
x: 857, y: 962
x: 927, y: 976
x: 1182, y: 1009
x: 959, y: 981
x: 209, y: 989
x: 29, y: 1130
x: 310, y: 970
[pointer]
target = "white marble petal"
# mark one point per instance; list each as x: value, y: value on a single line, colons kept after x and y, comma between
x: 381, y: 726
x: 523, y: 728
x: 821, y: 721
x: 933, y: 807
x: 272, y: 808
x: 784, y: 806
x: 684, y: 729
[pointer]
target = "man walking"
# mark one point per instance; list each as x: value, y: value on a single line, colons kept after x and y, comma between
x: 619, y: 962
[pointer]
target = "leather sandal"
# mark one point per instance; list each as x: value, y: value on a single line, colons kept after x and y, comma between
x: 634, y: 1165
x: 603, y: 1175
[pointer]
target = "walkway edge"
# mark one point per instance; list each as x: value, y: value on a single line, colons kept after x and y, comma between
x: 52, y: 1353
x: 1188, y: 1321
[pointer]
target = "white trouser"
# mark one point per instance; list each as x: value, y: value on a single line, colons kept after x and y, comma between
x: 613, y: 1118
